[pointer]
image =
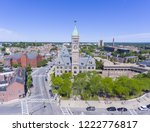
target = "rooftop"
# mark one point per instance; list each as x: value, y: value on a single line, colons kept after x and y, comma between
x: 75, y: 31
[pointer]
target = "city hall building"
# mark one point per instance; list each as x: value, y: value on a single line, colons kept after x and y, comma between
x: 73, y: 63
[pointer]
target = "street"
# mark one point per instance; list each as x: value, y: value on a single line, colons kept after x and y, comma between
x: 38, y: 103
x: 41, y: 103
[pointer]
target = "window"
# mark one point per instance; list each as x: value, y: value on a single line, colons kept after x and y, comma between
x: 92, y: 67
x: 65, y: 71
x: 90, y: 62
x: 75, y: 67
x: 82, y: 63
x: 80, y: 71
x: 75, y: 72
x: 89, y: 68
x: 67, y: 63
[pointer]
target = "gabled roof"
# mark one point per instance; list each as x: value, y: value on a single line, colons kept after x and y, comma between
x: 86, y: 61
x: 64, y: 51
x: 16, y: 56
x: 63, y: 57
x: 32, y: 55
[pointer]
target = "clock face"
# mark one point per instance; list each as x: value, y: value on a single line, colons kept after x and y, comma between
x: 75, y: 47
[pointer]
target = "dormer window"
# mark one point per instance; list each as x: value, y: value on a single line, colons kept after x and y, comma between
x: 90, y: 62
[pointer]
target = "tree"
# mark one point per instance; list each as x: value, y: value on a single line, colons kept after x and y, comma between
x: 95, y: 84
x: 65, y: 89
x: 16, y: 65
x: 1, y: 69
x: 29, y: 81
x: 57, y: 82
x: 99, y: 64
x: 107, y: 85
x: 42, y: 63
x: 28, y: 69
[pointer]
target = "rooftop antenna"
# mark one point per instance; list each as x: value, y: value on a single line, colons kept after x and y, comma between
x: 113, y: 42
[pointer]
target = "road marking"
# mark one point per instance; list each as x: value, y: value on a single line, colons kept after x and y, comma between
x: 39, y: 75
x: 42, y: 100
x: 34, y: 96
x: 24, y: 107
x: 132, y: 112
x: 66, y: 111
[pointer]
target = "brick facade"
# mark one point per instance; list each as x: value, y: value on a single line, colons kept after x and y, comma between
x: 14, y: 91
x: 24, y: 60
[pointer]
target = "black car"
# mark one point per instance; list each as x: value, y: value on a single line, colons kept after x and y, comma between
x: 50, y: 93
x: 45, y: 78
x: 148, y: 106
x: 91, y: 108
x: 111, y: 109
x: 122, y: 109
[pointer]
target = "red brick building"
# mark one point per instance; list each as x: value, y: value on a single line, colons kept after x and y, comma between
x: 24, y: 60
x: 12, y: 87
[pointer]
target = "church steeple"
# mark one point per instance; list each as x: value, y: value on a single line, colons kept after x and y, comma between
x: 75, y: 31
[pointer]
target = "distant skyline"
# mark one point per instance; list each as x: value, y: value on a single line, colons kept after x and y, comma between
x: 53, y: 20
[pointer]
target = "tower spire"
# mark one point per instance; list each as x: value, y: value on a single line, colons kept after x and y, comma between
x: 75, y: 31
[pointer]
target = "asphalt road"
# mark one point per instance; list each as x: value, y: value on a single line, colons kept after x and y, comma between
x: 40, y: 101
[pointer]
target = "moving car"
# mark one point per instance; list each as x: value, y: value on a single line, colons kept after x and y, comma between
x: 143, y: 108
x: 122, y: 109
x: 91, y: 108
x: 111, y: 108
x: 50, y: 93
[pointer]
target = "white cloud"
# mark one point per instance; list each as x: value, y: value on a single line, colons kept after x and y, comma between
x: 9, y: 35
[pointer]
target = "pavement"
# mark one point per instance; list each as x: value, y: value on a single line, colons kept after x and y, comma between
x: 130, y: 104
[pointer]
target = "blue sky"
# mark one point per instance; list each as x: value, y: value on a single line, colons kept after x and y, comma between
x: 52, y: 20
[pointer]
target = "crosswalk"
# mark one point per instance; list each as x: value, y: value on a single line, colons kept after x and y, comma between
x: 24, y: 107
x: 66, y: 111
x: 24, y: 103
x: 42, y: 100
x: 39, y: 75
x: 132, y: 112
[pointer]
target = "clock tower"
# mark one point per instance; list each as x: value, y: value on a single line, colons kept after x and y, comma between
x: 75, y: 51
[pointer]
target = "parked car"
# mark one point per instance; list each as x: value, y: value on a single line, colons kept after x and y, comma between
x: 143, y: 108
x: 51, y: 94
x: 111, y: 108
x: 122, y: 109
x: 45, y: 78
x: 91, y: 108
x: 148, y: 106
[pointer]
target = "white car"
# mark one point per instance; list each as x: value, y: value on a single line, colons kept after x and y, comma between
x: 143, y: 108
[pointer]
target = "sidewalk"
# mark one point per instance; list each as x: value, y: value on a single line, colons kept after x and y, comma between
x: 130, y: 104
